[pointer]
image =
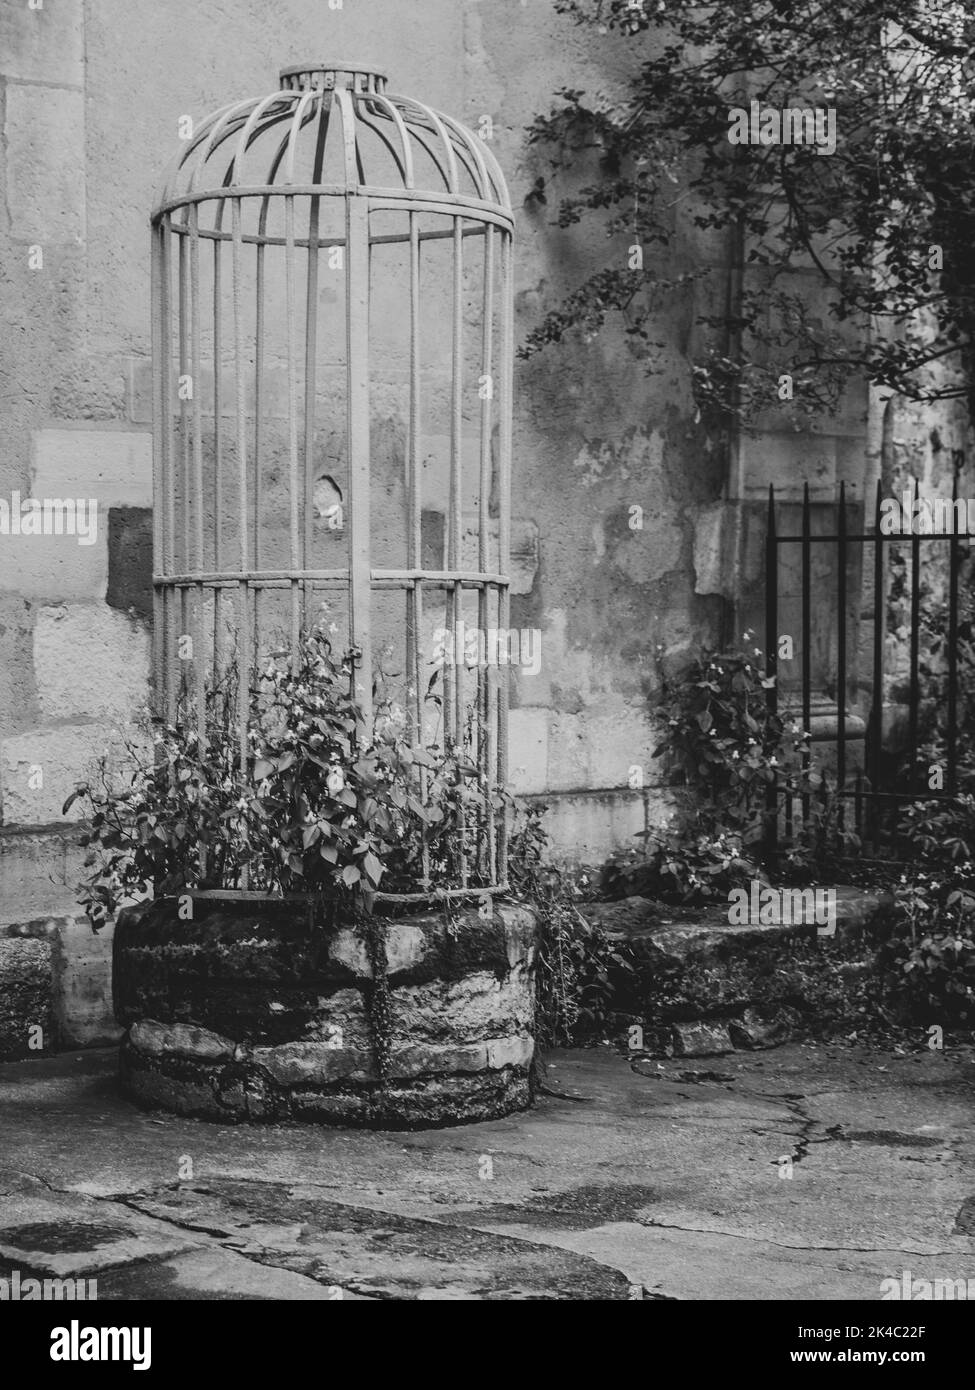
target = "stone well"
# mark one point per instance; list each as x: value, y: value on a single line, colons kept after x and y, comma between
x: 256, y: 1011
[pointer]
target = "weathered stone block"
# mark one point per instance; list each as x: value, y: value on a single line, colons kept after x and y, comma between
x: 26, y: 997
x: 38, y: 873
x: 405, y: 942
x: 702, y: 1039
x: 593, y: 824
x: 138, y: 390
x: 528, y: 750
x: 157, y: 1039
x: 18, y: 695
x: 713, y: 537
x: 83, y: 984
x: 43, y: 45
x: 469, y: 1010
x: 520, y: 933
x: 64, y: 755
x: 44, y: 136
x: 424, y: 1059
x: 55, y: 567
x: 89, y: 660
x: 112, y: 465
x: 510, y: 1052
x: 617, y: 742
x: 568, y: 753
x: 314, y: 1063
x: 130, y: 560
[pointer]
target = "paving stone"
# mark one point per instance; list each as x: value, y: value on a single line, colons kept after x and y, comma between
x: 702, y: 1039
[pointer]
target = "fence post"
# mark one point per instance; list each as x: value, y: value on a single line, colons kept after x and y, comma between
x: 771, y: 665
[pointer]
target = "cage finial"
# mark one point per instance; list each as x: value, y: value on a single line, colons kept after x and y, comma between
x: 362, y: 77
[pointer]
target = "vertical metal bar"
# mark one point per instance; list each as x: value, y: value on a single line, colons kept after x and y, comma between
x: 159, y: 345
x: 311, y: 352
x: 877, y: 693
x: 217, y: 446
x: 196, y: 383
x: 243, y: 640
x: 771, y: 661
x: 293, y: 474
x: 414, y: 596
x: 308, y: 451
x: 259, y: 330
x: 841, y: 586
x: 456, y: 532
x: 953, y: 565
x: 915, y: 687
x: 185, y: 447
x: 169, y: 463
x: 357, y: 361
x: 806, y: 642
x: 484, y: 518
x: 196, y: 373
x: 504, y: 529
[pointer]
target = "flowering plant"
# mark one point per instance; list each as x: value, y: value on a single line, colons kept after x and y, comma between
x: 318, y: 804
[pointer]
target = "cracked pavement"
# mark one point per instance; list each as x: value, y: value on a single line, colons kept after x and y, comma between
x: 810, y: 1171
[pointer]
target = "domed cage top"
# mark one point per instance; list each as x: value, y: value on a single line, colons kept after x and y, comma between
x: 332, y: 345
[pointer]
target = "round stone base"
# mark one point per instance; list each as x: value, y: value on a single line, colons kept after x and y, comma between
x: 255, y: 1012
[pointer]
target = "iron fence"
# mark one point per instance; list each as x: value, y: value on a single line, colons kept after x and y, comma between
x: 872, y: 766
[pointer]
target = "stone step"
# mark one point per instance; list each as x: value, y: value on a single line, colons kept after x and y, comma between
x: 699, y: 985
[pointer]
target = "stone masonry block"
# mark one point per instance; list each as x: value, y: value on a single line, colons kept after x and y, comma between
x: 25, y: 997
x: 89, y: 661
x: 18, y: 695
x: 55, y: 567
x: 113, y: 466
x: 38, y: 871
x: 616, y: 742
x: 130, y: 560
x: 62, y: 756
x: 181, y: 1040
x: 83, y: 984
x: 44, y: 138
x: 568, y: 753
x: 45, y: 45
x: 405, y: 944
x: 528, y: 750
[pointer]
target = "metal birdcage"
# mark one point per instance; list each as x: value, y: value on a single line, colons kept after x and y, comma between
x: 332, y: 342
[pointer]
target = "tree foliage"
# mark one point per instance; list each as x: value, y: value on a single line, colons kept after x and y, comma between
x: 886, y: 223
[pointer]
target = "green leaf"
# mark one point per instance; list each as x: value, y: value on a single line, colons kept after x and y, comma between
x: 372, y: 868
